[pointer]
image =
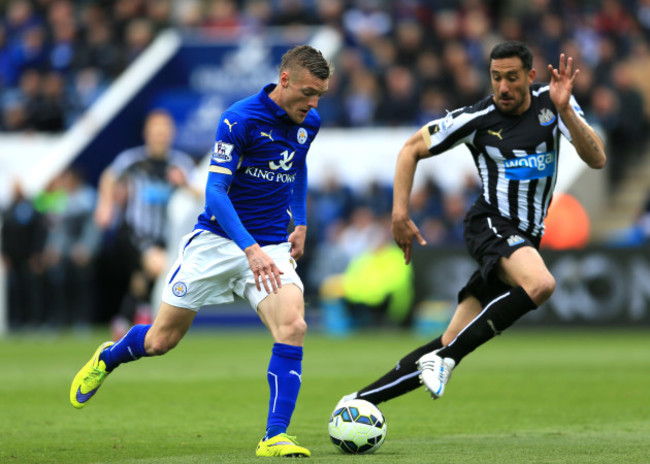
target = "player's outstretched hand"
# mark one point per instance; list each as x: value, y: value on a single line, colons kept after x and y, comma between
x: 404, y: 231
x: 562, y: 80
x: 264, y: 269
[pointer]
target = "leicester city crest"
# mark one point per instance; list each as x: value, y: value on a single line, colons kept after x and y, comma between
x: 179, y: 289
x: 302, y: 135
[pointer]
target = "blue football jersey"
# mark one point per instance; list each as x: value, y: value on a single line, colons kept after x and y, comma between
x: 261, y: 153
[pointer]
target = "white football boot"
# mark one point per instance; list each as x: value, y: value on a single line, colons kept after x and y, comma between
x: 435, y: 373
x: 345, y: 399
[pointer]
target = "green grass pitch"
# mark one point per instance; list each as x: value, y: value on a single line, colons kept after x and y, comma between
x: 543, y: 396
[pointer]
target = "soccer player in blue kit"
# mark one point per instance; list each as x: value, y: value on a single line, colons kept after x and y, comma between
x: 256, y: 184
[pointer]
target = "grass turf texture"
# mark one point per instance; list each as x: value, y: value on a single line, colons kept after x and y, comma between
x: 526, y: 397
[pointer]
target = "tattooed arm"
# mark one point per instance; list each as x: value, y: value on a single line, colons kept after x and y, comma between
x: 585, y: 140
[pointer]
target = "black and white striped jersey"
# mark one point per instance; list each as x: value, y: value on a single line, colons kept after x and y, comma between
x: 148, y: 192
x: 516, y: 156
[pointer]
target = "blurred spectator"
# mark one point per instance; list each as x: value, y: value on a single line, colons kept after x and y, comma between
x: 613, y: 19
x: 31, y: 51
x: 329, y: 258
x: 138, y: 35
x: 100, y: 51
x: 378, y: 198
x: 429, y: 70
x: 24, y: 39
x: 19, y: 17
x: 398, y: 105
x: 426, y: 202
x: 364, y: 232
x: 378, y: 289
x: 608, y: 55
x: 409, y: 38
x: 47, y: 112
x: 619, y: 111
x: 6, y: 68
x: 160, y: 14
x: 478, y: 37
x: 187, y: 14
x: 365, y: 21
x: 222, y: 18
x: 64, y: 29
x: 292, y: 13
x: 606, y: 109
x: 23, y: 240
x: 371, y: 288
x: 256, y: 15
x: 510, y: 28
x: 20, y: 105
x: 638, y: 65
x: 330, y: 13
x: 88, y: 86
x: 454, y: 206
x: 433, y: 105
x: 331, y: 203
x: 122, y: 14
x: 447, y: 25
x: 360, y: 99
x: 633, y: 124
x: 550, y: 39
x: 71, y: 246
x: 14, y: 117
x: 132, y: 205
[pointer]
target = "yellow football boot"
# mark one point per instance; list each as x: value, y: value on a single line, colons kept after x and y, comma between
x: 282, y: 445
x: 89, y: 379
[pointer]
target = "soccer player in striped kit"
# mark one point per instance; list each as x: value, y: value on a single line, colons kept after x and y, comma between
x: 514, y: 137
x: 256, y: 184
x: 134, y: 192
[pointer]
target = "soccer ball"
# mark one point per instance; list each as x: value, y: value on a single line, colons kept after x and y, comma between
x: 357, y: 427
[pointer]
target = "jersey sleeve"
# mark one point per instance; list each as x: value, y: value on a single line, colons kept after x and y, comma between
x: 230, y: 143
x: 299, y: 197
x: 124, y: 160
x: 444, y: 133
x: 576, y: 107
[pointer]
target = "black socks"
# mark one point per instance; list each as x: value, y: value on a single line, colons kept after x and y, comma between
x: 400, y: 380
x: 498, y: 315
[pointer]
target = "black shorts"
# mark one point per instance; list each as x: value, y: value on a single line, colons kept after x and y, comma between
x: 489, y: 236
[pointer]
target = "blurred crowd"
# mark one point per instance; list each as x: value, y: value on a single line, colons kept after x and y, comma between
x: 402, y: 63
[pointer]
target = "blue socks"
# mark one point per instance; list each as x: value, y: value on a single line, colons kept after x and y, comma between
x: 127, y: 349
x: 284, y: 376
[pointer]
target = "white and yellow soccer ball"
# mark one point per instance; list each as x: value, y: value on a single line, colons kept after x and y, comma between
x: 357, y: 427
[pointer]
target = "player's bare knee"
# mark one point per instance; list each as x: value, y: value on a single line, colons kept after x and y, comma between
x: 293, y: 332
x: 298, y: 328
x: 542, y: 289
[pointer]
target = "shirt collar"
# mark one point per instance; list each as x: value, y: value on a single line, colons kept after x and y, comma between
x: 273, y: 107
